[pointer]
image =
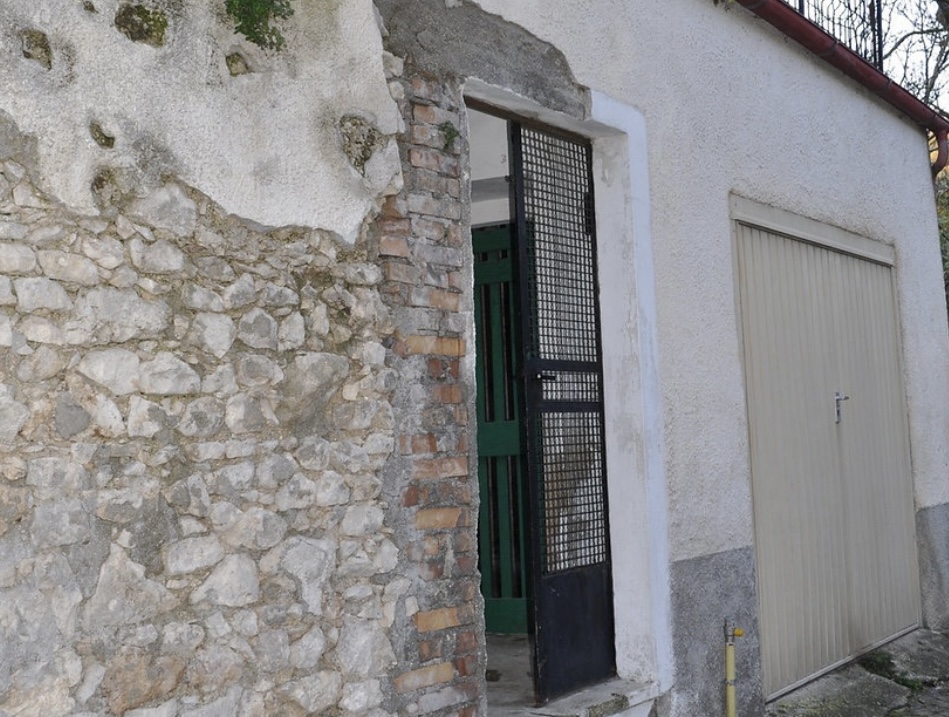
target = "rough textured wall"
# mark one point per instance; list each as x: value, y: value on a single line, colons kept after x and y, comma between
x: 193, y: 414
x: 137, y: 92
x: 430, y: 482
x: 195, y: 409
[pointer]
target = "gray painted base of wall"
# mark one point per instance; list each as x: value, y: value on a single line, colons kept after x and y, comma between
x: 705, y: 592
x: 932, y: 535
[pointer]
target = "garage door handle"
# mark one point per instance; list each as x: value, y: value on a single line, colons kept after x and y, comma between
x: 838, y: 399
x: 546, y: 377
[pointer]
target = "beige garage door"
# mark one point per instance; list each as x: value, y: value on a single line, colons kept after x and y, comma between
x: 833, y: 507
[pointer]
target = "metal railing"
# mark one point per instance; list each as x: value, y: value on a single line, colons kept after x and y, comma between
x: 858, y: 24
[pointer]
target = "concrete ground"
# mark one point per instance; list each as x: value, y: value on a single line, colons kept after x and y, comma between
x: 905, y: 678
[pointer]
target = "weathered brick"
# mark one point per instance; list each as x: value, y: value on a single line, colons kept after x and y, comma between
x: 466, y: 564
x: 464, y: 543
x: 444, y: 491
x: 394, y: 207
x: 456, y: 280
x: 438, y: 518
x: 403, y: 273
x: 466, y: 666
x: 466, y: 642
x: 426, y: 203
x: 429, y: 114
x: 393, y: 246
x: 436, y: 345
x: 432, y: 702
x: 432, y: 649
x: 440, y: 467
x: 441, y: 619
x: 436, y: 254
x: 432, y: 230
x: 434, y: 92
x: 410, y: 497
x: 432, y: 570
x: 424, y: 677
x: 430, y: 136
x: 450, y: 393
x: 442, y: 369
x: 436, y: 184
x: 418, y: 443
x: 434, y: 160
x: 467, y: 589
x: 432, y: 545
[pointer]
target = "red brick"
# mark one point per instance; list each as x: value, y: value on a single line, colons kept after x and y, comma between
x: 466, y: 666
x: 464, y: 543
x: 441, y: 619
x: 418, y: 443
x: 432, y: 229
x: 424, y: 677
x: 449, y: 393
x: 466, y: 642
x: 435, y: 183
x: 466, y: 564
x: 434, y: 160
x: 429, y: 650
x: 436, y: 345
x: 447, y: 467
x: 393, y: 246
x: 393, y: 207
x: 403, y: 273
x: 428, y: 204
x: 410, y: 497
x: 432, y: 546
x: 432, y: 570
x: 444, y: 368
x: 435, y: 298
x: 438, y: 518
x: 432, y: 115
x: 435, y: 92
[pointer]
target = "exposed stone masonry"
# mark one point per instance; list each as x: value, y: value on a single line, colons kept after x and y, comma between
x: 193, y: 416
x: 424, y: 254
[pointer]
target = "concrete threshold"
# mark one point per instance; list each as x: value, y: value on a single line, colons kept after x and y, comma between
x: 615, y: 697
x: 511, y: 692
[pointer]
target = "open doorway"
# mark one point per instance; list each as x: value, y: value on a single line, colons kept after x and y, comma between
x: 543, y: 531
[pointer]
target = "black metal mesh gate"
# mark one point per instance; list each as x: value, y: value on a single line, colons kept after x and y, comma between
x: 573, y: 616
x: 563, y: 348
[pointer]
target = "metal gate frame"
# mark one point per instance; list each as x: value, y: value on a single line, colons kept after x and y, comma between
x: 571, y: 611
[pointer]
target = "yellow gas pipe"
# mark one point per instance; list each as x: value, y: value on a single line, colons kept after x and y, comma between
x: 731, y: 706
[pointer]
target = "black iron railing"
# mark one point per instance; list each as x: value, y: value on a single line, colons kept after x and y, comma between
x: 858, y: 24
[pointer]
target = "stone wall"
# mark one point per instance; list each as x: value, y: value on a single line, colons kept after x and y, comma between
x: 193, y: 416
x: 234, y: 472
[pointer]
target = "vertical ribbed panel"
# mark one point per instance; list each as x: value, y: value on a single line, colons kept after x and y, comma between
x: 832, y: 502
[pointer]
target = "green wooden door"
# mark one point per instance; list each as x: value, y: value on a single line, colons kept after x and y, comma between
x: 501, y: 524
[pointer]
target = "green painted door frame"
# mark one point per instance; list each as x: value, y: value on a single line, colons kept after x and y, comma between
x: 502, y: 520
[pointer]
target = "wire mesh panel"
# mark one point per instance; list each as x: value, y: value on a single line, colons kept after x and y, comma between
x: 564, y: 351
x: 574, y: 510
x: 858, y: 24
x: 557, y: 199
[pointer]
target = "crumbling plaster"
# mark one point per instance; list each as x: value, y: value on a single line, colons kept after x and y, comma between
x: 265, y: 144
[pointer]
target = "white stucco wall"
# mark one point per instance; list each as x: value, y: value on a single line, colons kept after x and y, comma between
x: 266, y: 145
x: 731, y: 106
